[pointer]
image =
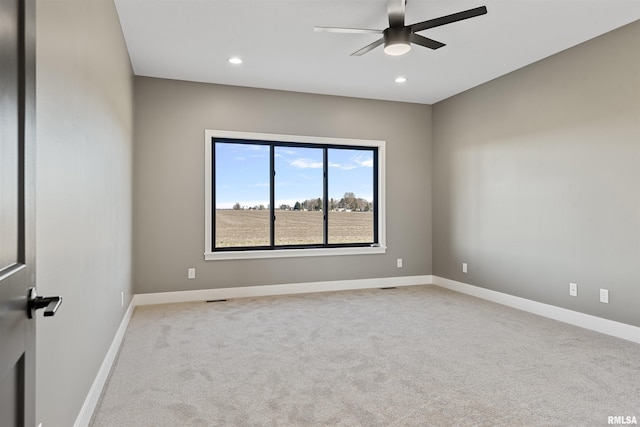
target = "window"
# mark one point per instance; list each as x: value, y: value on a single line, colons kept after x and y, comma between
x: 280, y: 195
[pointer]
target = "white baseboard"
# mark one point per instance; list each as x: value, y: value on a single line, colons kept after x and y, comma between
x: 90, y: 402
x: 598, y: 324
x: 267, y: 290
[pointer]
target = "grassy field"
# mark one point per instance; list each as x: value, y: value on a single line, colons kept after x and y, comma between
x: 251, y: 228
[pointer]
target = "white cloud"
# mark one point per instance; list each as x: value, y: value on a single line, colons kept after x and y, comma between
x: 365, y: 162
x: 306, y: 164
x: 359, y: 161
x: 345, y: 167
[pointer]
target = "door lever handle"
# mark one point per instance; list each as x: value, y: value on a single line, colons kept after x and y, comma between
x: 50, y: 304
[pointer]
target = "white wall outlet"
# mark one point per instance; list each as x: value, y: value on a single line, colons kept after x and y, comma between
x: 573, y: 289
x: 121, y: 299
x: 399, y: 262
x: 191, y: 273
x: 604, y: 296
x: 464, y: 267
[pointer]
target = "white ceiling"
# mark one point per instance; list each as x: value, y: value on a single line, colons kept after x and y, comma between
x: 193, y: 39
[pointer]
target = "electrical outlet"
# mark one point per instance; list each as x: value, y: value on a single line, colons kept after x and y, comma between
x: 191, y: 273
x: 399, y: 262
x: 573, y: 289
x: 464, y: 267
x: 604, y: 296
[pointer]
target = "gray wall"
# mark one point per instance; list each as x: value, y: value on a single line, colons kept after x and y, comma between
x: 84, y: 158
x: 537, y: 180
x: 171, y: 117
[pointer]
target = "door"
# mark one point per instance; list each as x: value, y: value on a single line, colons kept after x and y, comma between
x: 17, y: 273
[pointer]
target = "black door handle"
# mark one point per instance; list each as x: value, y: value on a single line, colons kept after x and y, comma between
x: 50, y: 304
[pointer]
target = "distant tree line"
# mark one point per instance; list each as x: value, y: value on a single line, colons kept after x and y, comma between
x: 239, y: 207
x: 349, y: 202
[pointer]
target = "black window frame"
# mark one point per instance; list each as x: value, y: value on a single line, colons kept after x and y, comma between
x: 325, y: 199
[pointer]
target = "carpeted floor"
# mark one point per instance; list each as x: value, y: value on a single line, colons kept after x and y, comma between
x: 414, y: 356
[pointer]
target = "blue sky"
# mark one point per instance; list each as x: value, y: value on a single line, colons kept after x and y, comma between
x: 242, y: 174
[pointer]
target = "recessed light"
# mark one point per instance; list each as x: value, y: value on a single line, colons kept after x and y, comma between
x: 235, y: 60
x: 400, y: 79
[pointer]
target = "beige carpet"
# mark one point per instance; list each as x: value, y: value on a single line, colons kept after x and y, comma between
x: 414, y: 356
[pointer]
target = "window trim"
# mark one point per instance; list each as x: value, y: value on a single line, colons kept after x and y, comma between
x: 210, y: 255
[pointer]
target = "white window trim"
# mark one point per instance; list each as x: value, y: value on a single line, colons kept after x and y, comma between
x: 209, y: 255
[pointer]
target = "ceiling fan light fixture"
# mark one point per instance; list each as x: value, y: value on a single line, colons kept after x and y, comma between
x: 397, y: 49
x: 396, y: 40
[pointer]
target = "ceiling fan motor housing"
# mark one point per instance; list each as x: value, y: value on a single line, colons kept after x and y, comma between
x: 397, y: 40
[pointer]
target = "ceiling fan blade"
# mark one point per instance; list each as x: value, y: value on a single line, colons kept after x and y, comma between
x: 345, y: 30
x: 443, y: 20
x: 367, y: 48
x: 423, y: 41
x: 395, y: 9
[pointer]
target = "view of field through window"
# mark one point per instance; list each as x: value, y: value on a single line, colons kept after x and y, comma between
x: 247, y: 228
x: 302, y: 176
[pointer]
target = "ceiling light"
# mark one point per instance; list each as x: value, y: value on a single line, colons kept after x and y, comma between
x: 396, y: 40
x: 235, y: 60
x: 397, y: 49
x: 400, y: 79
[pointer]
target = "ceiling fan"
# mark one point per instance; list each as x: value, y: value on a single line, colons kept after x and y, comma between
x: 398, y: 37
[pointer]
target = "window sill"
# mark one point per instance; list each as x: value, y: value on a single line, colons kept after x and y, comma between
x: 293, y: 253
